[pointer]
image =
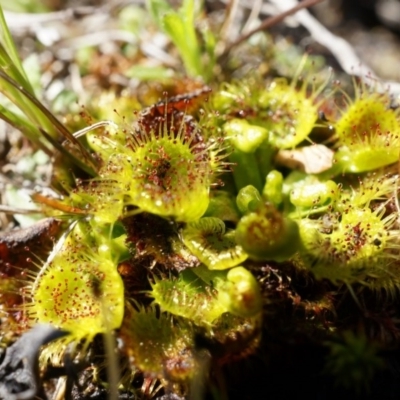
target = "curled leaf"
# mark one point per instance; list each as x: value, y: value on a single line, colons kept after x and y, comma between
x: 208, y: 240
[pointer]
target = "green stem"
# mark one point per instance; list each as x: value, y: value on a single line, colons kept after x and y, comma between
x: 264, y: 156
x: 245, y: 171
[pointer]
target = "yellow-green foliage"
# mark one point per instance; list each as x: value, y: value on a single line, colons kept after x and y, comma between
x: 158, y: 228
x: 163, y: 172
x: 159, y: 345
x: 291, y: 113
x: 355, y: 241
x: 368, y: 132
x: 173, y: 261
x: 267, y: 235
x: 208, y: 240
x: 203, y: 296
x: 79, y: 290
x: 327, y: 226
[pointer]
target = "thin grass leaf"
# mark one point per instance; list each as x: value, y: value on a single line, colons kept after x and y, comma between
x: 75, y: 160
x: 180, y: 27
x: 12, y: 88
x: 14, y: 84
x: 9, y: 46
x: 89, y: 165
x: 13, y: 92
x: 6, y: 63
x: 185, y: 41
x: 22, y: 124
x: 210, y: 42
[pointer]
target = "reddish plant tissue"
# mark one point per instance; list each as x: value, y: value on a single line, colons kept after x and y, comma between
x: 17, y: 247
x: 172, y: 114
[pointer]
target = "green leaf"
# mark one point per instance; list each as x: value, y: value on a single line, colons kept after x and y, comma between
x: 157, y: 9
x: 9, y: 55
x: 210, y: 42
x: 21, y: 123
x: 180, y: 27
x: 147, y: 73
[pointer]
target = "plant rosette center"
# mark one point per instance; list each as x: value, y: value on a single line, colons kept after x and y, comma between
x: 167, y: 173
x: 352, y: 251
x: 169, y: 179
x: 291, y: 114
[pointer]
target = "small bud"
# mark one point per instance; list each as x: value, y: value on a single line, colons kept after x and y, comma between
x: 248, y: 199
x: 273, y: 187
x: 268, y: 235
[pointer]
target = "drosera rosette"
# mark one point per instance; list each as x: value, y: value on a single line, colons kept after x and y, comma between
x: 261, y: 119
x: 357, y: 241
x: 162, y: 165
x: 78, y: 289
x: 292, y: 112
x: 286, y: 111
x: 367, y: 132
x: 158, y: 344
x: 214, y: 245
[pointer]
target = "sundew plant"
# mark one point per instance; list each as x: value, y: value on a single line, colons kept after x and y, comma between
x: 205, y: 230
